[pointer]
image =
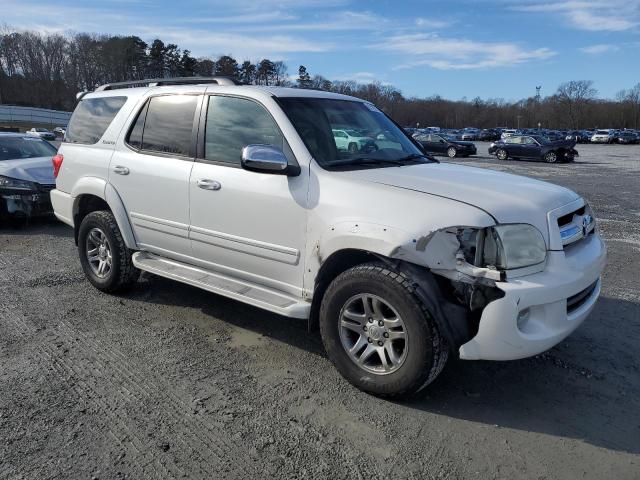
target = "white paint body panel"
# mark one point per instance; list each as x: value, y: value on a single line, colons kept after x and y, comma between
x: 274, y: 232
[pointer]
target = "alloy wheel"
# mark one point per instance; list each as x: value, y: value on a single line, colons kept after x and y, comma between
x: 373, y: 334
x: 98, y: 251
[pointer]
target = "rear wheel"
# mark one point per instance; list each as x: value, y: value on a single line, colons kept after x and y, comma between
x: 377, y: 333
x: 502, y: 154
x: 451, y: 152
x: 551, y: 157
x: 353, y: 147
x: 104, y: 257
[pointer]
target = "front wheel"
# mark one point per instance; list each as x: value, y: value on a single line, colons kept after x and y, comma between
x: 451, y: 152
x: 104, y: 257
x: 378, y: 334
x: 551, y: 157
x: 502, y: 154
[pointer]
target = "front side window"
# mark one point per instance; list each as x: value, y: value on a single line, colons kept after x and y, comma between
x: 168, y: 124
x: 375, y: 141
x: 232, y: 124
x: 91, y: 118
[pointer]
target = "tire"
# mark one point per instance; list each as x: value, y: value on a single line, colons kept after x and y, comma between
x: 100, y: 236
x: 353, y: 147
x: 551, y: 157
x: 502, y: 154
x: 452, y: 152
x: 418, y: 357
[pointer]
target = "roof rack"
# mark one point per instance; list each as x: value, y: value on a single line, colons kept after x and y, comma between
x: 155, y: 82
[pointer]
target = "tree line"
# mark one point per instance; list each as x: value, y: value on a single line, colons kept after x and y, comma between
x: 47, y: 70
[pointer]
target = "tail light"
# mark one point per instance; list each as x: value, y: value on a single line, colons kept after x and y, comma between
x: 57, y: 163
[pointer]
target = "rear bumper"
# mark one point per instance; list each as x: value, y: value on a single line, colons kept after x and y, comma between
x: 508, y: 332
x: 62, y: 206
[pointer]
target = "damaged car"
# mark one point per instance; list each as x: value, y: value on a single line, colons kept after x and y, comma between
x: 534, y: 147
x: 26, y: 176
x: 395, y: 260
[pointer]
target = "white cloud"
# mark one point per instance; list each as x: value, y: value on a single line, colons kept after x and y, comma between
x: 600, y: 48
x: 459, y: 54
x: 430, y: 23
x: 596, y: 15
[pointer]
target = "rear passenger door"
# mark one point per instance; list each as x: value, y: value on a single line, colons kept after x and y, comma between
x: 246, y: 224
x: 150, y: 171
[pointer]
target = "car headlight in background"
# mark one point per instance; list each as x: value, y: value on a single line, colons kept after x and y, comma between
x: 503, y: 247
x: 15, y: 184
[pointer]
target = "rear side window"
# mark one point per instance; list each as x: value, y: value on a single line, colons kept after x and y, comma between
x: 165, y: 125
x: 232, y: 124
x: 91, y: 118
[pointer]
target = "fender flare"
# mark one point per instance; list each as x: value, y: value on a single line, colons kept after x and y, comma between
x: 98, y: 187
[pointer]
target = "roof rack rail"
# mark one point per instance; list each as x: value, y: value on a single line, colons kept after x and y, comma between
x: 154, y: 82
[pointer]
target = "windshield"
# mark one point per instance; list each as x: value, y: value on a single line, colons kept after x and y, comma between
x: 378, y: 143
x: 14, y: 148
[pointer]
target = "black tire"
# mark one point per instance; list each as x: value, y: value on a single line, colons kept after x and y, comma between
x: 426, y: 351
x: 452, y: 152
x: 551, y: 157
x: 502, y: 154
x: 353, y: 147
x: 122, y: 273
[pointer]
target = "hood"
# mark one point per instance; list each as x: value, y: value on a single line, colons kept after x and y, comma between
x: 508, y: 198
x: 39, y: 169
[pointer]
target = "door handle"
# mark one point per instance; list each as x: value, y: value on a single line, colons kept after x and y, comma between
x: 207, y: 184
x: 120, y: 170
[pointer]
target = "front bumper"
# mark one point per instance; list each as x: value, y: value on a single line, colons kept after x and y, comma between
x: 502, y: 336
x: 26, y: 203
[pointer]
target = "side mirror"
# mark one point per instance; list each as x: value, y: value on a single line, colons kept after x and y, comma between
x: 266, y: 159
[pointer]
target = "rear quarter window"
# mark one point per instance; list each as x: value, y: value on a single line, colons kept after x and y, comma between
x: 91, y: 118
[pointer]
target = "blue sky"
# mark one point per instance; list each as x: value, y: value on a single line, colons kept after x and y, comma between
x: 454, y: 48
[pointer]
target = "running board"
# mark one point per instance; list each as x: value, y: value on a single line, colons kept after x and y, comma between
x: 250, y: 293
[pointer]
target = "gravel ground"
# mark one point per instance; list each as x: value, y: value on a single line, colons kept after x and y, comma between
x: 169, y: 381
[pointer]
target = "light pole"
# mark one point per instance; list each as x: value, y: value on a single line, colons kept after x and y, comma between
x: 519, y: 121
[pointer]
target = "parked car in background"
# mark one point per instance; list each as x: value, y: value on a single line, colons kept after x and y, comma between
x: 26, y: 175
x: 507, y: 132
x: 470, y: 134
x: 602, y: 136
x: 59, y: 131
x: 352, y: 140
x: 578, y: 136
x: 625, y: 137
x: 41, y: 133
x: 489, y: 135
x: 534, y: 147
x: 441, y: 144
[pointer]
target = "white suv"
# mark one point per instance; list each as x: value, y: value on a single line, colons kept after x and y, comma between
x: 401, y: 260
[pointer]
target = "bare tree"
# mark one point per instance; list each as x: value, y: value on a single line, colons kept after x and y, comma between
x: 574, y: 97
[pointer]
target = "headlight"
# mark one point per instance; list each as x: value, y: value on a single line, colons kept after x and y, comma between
x: 503, y: 247
x: 14, y: 183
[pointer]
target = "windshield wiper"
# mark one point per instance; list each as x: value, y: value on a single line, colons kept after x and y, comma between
x: 374, y: 161
x: 416, y: 156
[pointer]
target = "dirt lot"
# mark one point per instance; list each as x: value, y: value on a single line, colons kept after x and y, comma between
x: 169, y: 381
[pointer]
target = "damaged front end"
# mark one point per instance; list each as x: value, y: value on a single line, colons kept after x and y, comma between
x: 24, y: 199
x: 466, y: 263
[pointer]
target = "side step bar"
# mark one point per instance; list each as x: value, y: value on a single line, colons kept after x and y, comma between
x: 252, y: 294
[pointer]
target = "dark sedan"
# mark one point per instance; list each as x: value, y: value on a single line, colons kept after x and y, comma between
x: 625, y: 137
x: 440, y: 144
x: 534, y: 147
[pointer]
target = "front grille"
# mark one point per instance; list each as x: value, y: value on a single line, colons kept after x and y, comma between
x: 575, y: 226
x: 576, y: 301
x: 45, y: 188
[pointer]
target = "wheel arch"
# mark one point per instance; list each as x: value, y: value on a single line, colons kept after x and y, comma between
x: 99, y: 195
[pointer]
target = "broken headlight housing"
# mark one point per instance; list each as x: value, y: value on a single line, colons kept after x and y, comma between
x: 15, y: 184
x: 503, y: 247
